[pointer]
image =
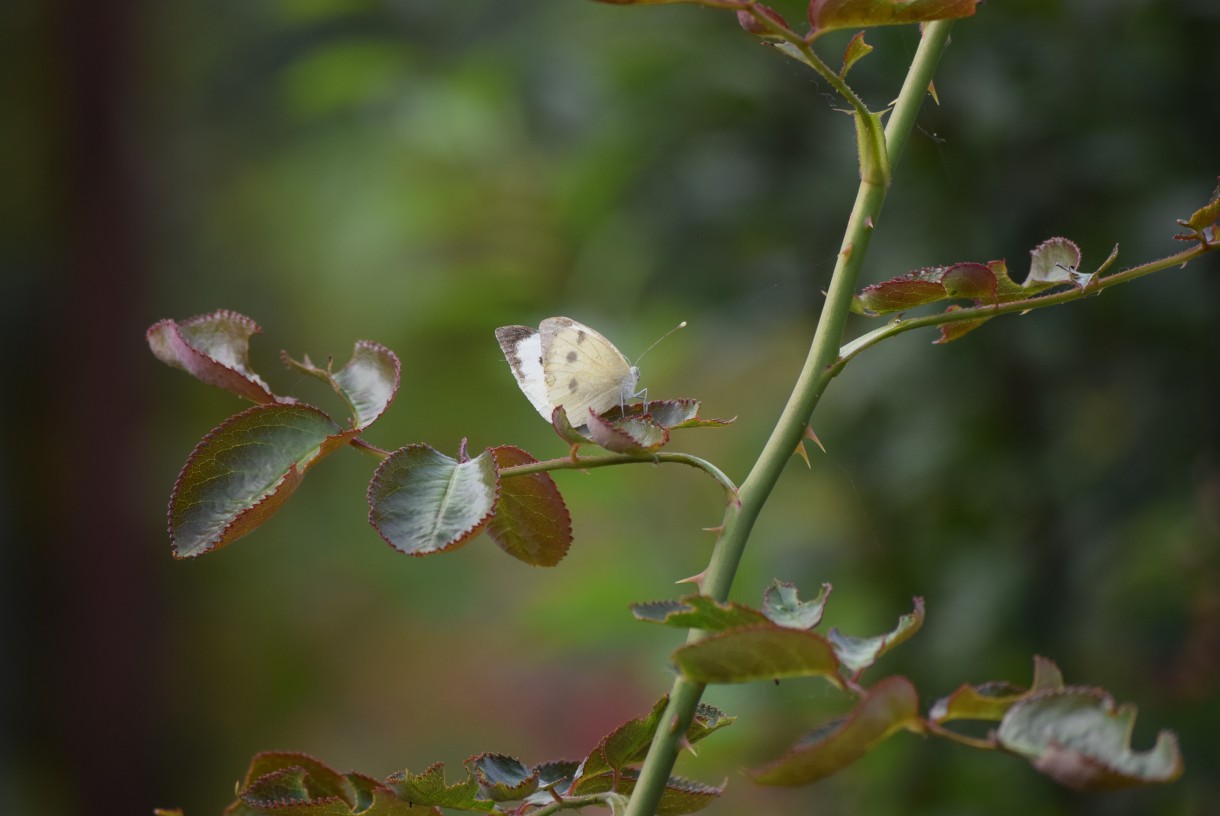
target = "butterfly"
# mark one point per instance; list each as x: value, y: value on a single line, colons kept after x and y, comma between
x: 566, y: 364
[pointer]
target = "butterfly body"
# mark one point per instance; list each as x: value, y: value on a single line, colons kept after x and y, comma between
x: 565, y: 364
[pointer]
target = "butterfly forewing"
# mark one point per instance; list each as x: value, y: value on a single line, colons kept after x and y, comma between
x: 583, y: 370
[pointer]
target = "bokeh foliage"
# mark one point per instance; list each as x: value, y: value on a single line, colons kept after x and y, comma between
x: 419, y: 173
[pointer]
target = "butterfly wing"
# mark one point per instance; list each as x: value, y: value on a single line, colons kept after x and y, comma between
x: 583, y: 370
x: 522, y: 347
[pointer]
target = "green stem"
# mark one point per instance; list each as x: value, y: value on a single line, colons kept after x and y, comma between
x: 900, y: 325
x: 661, y: 457
x: 817, y: 372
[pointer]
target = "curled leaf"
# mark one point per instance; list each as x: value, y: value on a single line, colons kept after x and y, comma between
x: 752, y: 24
x: 1052, y: 262
x: 215, y: 349
x: 856, y: 50
x: 889, y: 706
x: 783, y: 606
x: 1079, y: 738
x: 628, y: 434
x: 857, y: 654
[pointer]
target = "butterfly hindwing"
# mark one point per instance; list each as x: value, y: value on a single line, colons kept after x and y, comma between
x: 522, y: 347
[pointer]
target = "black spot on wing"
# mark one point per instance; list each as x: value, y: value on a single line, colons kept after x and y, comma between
x: 571, y: 356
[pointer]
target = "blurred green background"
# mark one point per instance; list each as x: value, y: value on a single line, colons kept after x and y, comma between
x: 420, y: 173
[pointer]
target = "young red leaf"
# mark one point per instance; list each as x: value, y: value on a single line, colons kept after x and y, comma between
x: 423, y: 502
x: 1080, y: 739
x: 698, y: 612
x: 887, y: 707
x: 755, y: 26
x: 899, y: 294
x: 214, y: 348
x: 827, y: 15
x: 857, y: 654
x: 531, y: 522
x: 242, y: 472
x: 783, y: 606
x: 758, y: 653
x: 856, y: 50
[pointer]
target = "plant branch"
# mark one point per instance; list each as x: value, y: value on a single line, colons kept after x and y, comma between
x: 740, y: 516
x: 661, y: 457
x: 900, y: 325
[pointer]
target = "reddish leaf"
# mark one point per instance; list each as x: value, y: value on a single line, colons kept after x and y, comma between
x: 422, y: 502
x: 755, y: 26
x: 827, y: 15
x: 369, y: 381
x: 901, y: 293
x: 856, y: 50
x: 214, y: 348
x: 531, y: 521
x: 887, y: 707
x: 242, y: 472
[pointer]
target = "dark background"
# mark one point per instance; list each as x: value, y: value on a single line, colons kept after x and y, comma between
x: 420, y: 173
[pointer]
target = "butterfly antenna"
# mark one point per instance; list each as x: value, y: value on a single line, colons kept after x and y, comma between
x: 681, y: 325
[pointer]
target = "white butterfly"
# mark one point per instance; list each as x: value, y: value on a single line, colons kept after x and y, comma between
x: 565, y: 364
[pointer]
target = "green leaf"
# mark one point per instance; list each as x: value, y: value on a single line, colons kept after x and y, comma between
x: 242, y: 472
x: 215, y: 349
x: 429, y: 788
x: 707, y: 720
x: 531, y: 521
x: 698, y: 612
x: 502, y: 778
x: 890, y: 705
x: 1052, y: 263
x: 423, y: 502
x: 680, y: 796
x: 626, y: 744
x: 827, y: 15
x: 857, y: 654
x: 1207, y: 215
x: 1077, y: 737
x: 758, y: 653
x: 991, y: 701
x: 783, y: 606
x: 292, y: 784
